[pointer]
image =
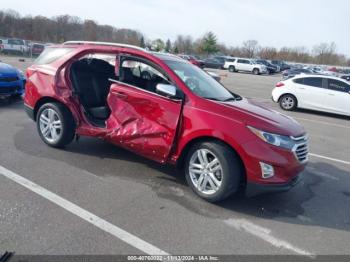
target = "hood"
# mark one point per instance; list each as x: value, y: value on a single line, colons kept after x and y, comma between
x: 257, y: 115
x: 7, y: 70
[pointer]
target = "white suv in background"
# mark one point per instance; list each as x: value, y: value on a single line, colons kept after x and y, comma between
x: 245, y: 65
x: 317, y: 92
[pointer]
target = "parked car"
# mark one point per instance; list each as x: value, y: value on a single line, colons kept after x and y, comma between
x: 222, y: 59
x: 295, y: 71
x: 322, y: 93
x: 272, y: 69
x: 17, y: 46
x: 37, y: 49
x: 283, y: 66
x: 213, y: 63
x: 246, y: 65
x: 346, y: 77
x: 12, y: 81
x: 229, y: 61
x: 168, y: 110
x: 1, y: 46
x: 214, y: 75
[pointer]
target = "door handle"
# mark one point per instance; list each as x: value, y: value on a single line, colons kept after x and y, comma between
x: 302, y: 88
x: 120, y: 94
x: 331, y: 94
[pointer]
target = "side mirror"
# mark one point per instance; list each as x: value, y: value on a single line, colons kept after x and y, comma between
x: 167, y: 90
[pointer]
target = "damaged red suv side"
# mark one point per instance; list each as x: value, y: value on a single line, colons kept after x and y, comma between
x: 163, y: 108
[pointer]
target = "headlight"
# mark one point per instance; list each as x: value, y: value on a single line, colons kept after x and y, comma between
x: 274, y: 139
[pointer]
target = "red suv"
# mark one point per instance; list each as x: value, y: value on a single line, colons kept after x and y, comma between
x: 163, y: 108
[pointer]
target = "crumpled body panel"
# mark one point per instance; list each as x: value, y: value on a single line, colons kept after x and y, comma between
x: 142, y: 122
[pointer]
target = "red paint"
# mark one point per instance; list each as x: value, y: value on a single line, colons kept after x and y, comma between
x: 160, y: 128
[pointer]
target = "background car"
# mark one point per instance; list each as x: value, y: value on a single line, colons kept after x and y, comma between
x: 272, y: 69
x: 283, y: 66
x: 316, y: 92
x: 15, y: 46
x: 193, y: 60
x: 213, y: 63
x: 1, y: 46
x: 246, y: 65
x: 346, y: 77
x: 12, y: 81
x: 37, y: 49
x: 295, y: 71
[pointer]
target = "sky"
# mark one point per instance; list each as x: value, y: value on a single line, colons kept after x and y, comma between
x: 270, y: 22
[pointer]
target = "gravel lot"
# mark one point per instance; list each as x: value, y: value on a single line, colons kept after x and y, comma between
x: 153, y: 202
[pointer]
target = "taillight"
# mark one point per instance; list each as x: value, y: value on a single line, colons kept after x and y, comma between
x: 279, y: 84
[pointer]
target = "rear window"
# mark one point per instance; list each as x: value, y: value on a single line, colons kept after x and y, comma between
x: 52, y: 54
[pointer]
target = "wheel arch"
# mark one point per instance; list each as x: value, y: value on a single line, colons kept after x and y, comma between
x: 45, y: 100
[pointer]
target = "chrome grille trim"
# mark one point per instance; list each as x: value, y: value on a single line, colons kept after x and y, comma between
x: 301, y: 148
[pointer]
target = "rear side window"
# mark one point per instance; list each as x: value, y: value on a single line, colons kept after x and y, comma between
x: 313, y: 81
x: 299, y: 81
x: 230, y: 60
x: 52, y: 54
x: 242, y: 61
x: 15, y: 42
x: 338, y: 85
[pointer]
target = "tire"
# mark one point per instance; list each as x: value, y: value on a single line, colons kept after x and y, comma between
x: 288, y: 102
x: 229, y: 173
x: 65, y: 131
x: 231, y: 69
x: 256, y: 71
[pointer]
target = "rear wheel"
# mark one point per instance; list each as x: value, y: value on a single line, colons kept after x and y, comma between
x: 288, y: 102
x: 213, y: 171
x: 232, y: 69
x: 256, y: 71
x: 55, y: 124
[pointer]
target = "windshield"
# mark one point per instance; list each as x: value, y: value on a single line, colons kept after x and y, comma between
x: 200, y: 82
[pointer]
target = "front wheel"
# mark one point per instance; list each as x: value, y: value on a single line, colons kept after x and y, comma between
x: 55, y: 124
x: 213, y: 171
x: 288, y: 102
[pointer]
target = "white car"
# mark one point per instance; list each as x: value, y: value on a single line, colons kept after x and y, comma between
x: 15, y: 46
x: 245, y: 65
x: 317, y: 92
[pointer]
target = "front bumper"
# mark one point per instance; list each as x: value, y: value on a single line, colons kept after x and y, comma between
x: 286, y: 165
x: 253, y: 189
x: 12, y: 88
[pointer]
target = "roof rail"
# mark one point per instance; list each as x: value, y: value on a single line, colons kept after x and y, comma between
x: 103, y: 43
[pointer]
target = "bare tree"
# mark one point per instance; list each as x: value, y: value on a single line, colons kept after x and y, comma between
x: 250, y: 48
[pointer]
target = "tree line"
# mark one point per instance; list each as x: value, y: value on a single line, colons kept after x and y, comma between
x: 65, y: 27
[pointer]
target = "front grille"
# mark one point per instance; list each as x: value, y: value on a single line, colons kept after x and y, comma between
x: 8, y: 79
x: 9, y: 90
x: 301, y: 148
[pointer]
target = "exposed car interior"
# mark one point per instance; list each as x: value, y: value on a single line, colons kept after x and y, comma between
x: 90, y: 78
x: 141, y: 75
x: 90, y: 82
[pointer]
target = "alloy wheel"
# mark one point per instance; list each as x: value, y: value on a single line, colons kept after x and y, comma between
x: 287, y: 102
x: 205, y: 171
x: 50, y: 125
